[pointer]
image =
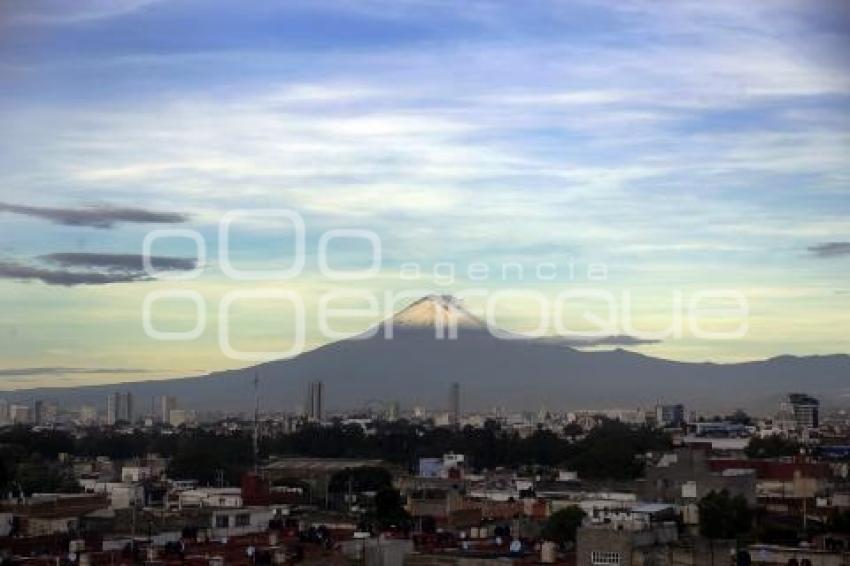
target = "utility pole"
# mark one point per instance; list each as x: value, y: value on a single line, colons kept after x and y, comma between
x: 133, y: 528
x: 350, y: 491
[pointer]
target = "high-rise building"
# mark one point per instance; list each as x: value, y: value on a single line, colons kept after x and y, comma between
x: 315, y: 401
x: 112, y: 408
x: 127, y: 408
x: 38, y: 412
x: 392, y: 411
x: 119, y: 408
x: 805, y: 408
x: 167, y: 403
x: 20, y: 414
x: 454, y: 404
x: 670, y: 415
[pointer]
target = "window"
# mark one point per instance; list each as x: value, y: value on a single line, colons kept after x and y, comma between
x: 243, y: 520
x: 598, y: 558
x: 222, y: 521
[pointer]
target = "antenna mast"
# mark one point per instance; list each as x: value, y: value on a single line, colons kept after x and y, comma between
x: 256, y: 436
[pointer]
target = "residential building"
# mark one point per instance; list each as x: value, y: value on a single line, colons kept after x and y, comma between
x: 685, y: 476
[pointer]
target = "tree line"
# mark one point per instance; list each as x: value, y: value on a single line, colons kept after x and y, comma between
x: 612, y: 450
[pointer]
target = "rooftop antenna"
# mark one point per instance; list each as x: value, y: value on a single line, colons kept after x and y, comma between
x: 256, y: 438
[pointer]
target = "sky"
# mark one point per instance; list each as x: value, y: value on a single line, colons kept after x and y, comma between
x: 631, y: 153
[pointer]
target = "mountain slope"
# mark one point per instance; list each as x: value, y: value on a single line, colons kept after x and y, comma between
x: 417, y: 365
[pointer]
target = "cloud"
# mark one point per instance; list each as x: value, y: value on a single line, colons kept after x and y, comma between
x: 119, y: 262
x: 830, y: 249
x: 55, y: 12
x: 95, y: 216
x: 97, y: 268
x: 23, y: 272
x: 589, y: 342
x: 33, y: 371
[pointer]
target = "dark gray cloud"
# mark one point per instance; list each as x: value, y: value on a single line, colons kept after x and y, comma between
x: 24, y: 272
x: 95, y: 216
x: 25, y: 372
x: 619, y: 340
x: 830, y: 249
x: 78, y: 268
x: 119, y: 262
x: 588, y: 341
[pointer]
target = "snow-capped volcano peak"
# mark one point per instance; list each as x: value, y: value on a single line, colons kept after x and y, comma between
x: 436, y: 311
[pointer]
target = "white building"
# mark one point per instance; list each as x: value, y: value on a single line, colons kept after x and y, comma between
x: 135, y: 474
x: 121, y: 495
x: 219, y: 497
x: 228, y: 522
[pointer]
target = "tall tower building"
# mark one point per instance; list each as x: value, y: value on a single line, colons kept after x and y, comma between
x: 38, y: 412
x: 454, y: 404
x: 112, y: 409
x: 167, y: 403
x: 119, y: 408
x: 125, y: 412
x: 315, y: 401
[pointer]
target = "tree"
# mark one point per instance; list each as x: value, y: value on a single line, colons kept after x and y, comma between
x: 771, y: 447
x: 36, y: 475
x: 390, y: 512
x: 562, y: 525
x: 202, y: 456
x: 840, y: 523
x: 740, y: 417
x: 611, y: 450
x: 722, y: 516
x: 366, y: 478
x: 573, y: 429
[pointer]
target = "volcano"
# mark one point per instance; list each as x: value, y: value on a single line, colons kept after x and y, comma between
x: 415, y: 356
x: 437, y: 312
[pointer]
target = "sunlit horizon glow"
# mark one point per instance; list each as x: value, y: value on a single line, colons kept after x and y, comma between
x: 683, y: 146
